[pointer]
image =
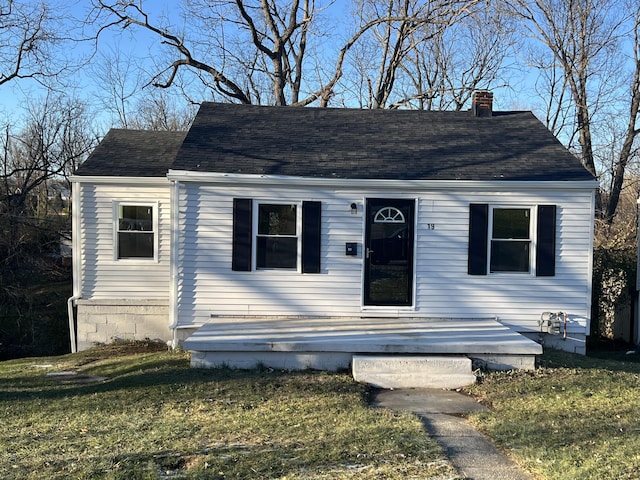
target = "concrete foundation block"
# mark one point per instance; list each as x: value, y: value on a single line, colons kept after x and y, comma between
x: 96, y: 318
x: 413, y: 371
x: 102, y: 321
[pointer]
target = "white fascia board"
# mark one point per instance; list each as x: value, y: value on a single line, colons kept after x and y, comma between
x: 119, y: 180
x: 281, y: 180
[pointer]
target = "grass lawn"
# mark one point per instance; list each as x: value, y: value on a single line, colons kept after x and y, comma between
x: 150, y: 416
x: 574, y: 418
x: 153, y: 417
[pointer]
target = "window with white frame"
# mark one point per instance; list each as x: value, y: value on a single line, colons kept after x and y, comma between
x: 277, y: 236
x: 510, y: 240
x: 136, y: 226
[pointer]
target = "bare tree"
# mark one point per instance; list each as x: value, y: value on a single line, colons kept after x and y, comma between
x: 258, y: 51
x: 134, y: 105
x: 277, y: 33
x: 34, y: 160
x: 628, y: 149
x: 118, y: 82
x: 411, y: 31
x: 468, y: 55
x: 28, y: 32
x: 158, y: 111
x: 583, y: 38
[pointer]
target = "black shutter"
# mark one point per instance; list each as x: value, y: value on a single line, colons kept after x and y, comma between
x: 241, y: 243
x: 311, y: 225
x: 478, y: 238
x: 546, y: 242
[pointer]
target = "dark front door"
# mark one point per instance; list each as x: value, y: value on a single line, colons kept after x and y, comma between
x: 388, y: 274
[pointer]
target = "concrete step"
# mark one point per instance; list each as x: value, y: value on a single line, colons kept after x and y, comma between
x: 413, y: 371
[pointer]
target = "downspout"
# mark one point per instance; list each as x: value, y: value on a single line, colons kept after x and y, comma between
x: 75, y: 263
x: 72, y: 323
x: 174, y: 271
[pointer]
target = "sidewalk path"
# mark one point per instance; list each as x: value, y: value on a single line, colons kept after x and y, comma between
x: 470, y: 452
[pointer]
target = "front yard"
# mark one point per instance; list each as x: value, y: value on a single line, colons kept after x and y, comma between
x: 150, y: 416
x: 133, y: 412
x: 574, y: 418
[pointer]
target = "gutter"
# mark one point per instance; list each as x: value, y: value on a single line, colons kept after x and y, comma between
x: 283, y: 180
x: 111, y: 180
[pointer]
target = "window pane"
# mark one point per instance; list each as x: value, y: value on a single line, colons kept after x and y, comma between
x: 511, y: 223
x: 135, y: 217
x: 277, y: 252
x: 276, y: 219
x: 509, y: 256
x: 135, y: 245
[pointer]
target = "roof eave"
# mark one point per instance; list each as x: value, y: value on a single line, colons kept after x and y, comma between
x: 111, y: 180
x: 282, y: 180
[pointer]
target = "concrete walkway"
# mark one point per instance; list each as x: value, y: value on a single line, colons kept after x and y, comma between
x: 470, y: 452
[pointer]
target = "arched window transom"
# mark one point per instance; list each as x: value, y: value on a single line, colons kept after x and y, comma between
x: 389, y: 215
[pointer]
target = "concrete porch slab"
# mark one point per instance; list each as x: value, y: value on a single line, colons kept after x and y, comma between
x: 309, y: 338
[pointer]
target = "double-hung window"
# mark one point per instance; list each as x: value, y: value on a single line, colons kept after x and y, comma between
x: 136, y: 231
x: 510, y: 240
x: 506, y: 239
x: 277, y: 236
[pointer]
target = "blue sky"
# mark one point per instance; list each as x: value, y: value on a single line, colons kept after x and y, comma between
x: 86, y: 83
x: 82, y: 81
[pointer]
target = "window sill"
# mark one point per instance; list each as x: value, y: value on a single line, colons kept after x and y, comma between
x: 135, y: 261
x: 278, y: 271
x: 511, y: 274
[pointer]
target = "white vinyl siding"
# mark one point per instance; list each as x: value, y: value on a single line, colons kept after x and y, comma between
x: 102, y: 274
x: 207, y: 285
x: 443, y: 289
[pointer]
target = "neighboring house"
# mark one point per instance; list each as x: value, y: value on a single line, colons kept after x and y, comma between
x: 306, y: 230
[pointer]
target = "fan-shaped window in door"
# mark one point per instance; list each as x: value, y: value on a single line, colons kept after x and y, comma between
x: 389, y: 215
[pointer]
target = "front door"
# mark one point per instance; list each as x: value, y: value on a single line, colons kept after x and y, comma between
x: 388, y: 271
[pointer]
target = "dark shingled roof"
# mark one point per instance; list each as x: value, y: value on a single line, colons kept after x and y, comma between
x: 374, y: 144
x: 133, y: 153
x: 352, y: 143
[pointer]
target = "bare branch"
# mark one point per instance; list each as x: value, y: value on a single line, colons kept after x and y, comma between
x: 279, y: 36
x: 125, y: 20
x: 22, y: 36
x: 627, y: 152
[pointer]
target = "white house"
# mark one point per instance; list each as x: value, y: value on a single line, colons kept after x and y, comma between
x: 303, y: 236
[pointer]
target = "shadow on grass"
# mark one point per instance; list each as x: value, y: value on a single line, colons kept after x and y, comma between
x: 150, y: 373
x: 154, y: 385
x: 616, y: 360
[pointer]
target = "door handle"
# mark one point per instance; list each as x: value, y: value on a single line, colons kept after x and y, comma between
x: 369, y: 252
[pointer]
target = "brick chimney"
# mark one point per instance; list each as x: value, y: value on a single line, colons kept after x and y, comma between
x: 482, y: 103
